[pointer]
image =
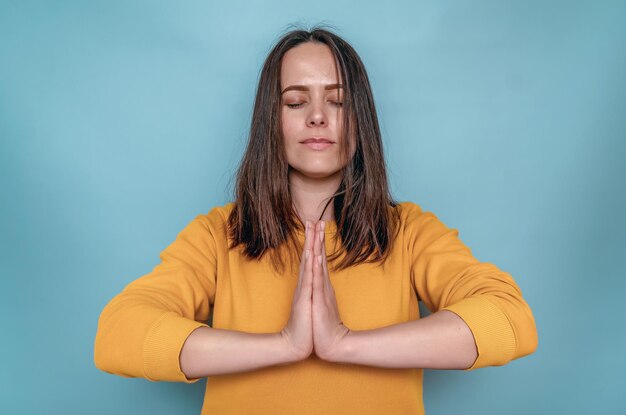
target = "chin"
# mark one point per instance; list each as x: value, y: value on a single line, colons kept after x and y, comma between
x: 316, y: 174
x: 321, y: 175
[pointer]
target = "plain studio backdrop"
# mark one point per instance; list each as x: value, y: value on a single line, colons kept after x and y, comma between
x: 121, y: 121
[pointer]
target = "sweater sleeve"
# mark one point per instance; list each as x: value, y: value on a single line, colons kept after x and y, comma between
x: 446, y: 276
x: 142, y: 330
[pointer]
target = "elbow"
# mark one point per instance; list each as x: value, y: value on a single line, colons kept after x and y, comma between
x: 508, y: 332
x: 99, y: 359
x: 527, y: 337
x: 521, y: 322
x: 101, y: 352
x: 529, y: 342
x: 110, y: 358
x: 108, y: 354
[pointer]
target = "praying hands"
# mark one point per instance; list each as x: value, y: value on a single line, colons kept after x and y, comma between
x: 314, y: 323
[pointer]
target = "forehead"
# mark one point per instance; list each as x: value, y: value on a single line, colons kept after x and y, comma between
x: 308, y: 64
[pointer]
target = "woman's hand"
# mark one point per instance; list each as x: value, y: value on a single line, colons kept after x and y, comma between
x: 299, y: 329
x: 328, y: 329
x: 314, y: 323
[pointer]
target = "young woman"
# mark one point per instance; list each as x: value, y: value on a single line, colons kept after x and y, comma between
x: 313, y: 274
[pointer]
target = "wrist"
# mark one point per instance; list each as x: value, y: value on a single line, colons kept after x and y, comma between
x: 290, y: 353
x: 344, y: 349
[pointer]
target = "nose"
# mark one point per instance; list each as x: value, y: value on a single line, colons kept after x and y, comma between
x: 317, y: 116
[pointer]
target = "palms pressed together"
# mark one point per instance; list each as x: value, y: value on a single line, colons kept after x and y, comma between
x: 314, y: 323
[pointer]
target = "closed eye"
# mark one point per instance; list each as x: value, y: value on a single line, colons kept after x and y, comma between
x: 336, y: 103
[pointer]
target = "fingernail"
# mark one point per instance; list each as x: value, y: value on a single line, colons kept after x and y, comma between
x: 323, y: 225
x: 319, y: 259
x: 308, y: 254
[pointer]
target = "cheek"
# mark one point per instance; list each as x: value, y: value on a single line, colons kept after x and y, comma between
x: 290, y: 137
x: 289, y: 126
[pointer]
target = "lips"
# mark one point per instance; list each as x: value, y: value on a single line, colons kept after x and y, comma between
x: 317, y: 140
x: 318, y: 144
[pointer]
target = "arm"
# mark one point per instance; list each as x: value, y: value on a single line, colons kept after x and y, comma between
x: 479, y: 315
x: 439, y: 341
x: 209, y: 351
x: 155, y: 327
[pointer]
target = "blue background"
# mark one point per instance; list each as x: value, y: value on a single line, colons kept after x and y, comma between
x: 120, y: 121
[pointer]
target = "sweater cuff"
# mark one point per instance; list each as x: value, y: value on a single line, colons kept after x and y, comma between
x: 493, y: 333
x: 162, y: 347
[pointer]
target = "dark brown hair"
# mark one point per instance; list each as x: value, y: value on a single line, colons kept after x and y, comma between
x: 264, y: 218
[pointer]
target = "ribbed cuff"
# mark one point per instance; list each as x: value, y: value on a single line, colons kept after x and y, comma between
x: 162, y: 347
x: 493, y: 334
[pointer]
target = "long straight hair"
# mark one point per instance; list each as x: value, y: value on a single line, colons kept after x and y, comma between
x: 264, y: 218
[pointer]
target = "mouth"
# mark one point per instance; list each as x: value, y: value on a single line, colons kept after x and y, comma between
x: 317, y: 143
x: 321, y: 140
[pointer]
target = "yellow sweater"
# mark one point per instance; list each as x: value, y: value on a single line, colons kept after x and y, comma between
x: 141, y: 331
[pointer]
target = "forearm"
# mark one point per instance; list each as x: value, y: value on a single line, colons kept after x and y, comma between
x: 209, y: 351
x: 440, y: 341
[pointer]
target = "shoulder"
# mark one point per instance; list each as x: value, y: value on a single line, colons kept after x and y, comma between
x: 408, y: 213
x: 407, y: 208
x: 414, y: 220
x: 220, y: 214
x: 215, y: 220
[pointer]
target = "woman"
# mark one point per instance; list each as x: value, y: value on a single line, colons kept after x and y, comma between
x: 294, y: 329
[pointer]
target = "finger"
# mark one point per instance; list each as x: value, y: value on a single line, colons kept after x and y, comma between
x: 307, y: 275
x: 318, y: 238
x: 324, y: 266
x: 327, y: 285
x: 310, y: 241
x: 301, y: 269
x: 307, y: 237
x: 318, y: 293
x: 329, y: 292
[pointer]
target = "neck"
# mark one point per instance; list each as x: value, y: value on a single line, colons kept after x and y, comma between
x: 310, y: 195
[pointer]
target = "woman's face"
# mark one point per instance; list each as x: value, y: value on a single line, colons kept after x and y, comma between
x: 311, y: 110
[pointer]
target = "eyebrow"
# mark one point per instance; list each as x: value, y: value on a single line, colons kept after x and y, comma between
x: 306, y: 88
